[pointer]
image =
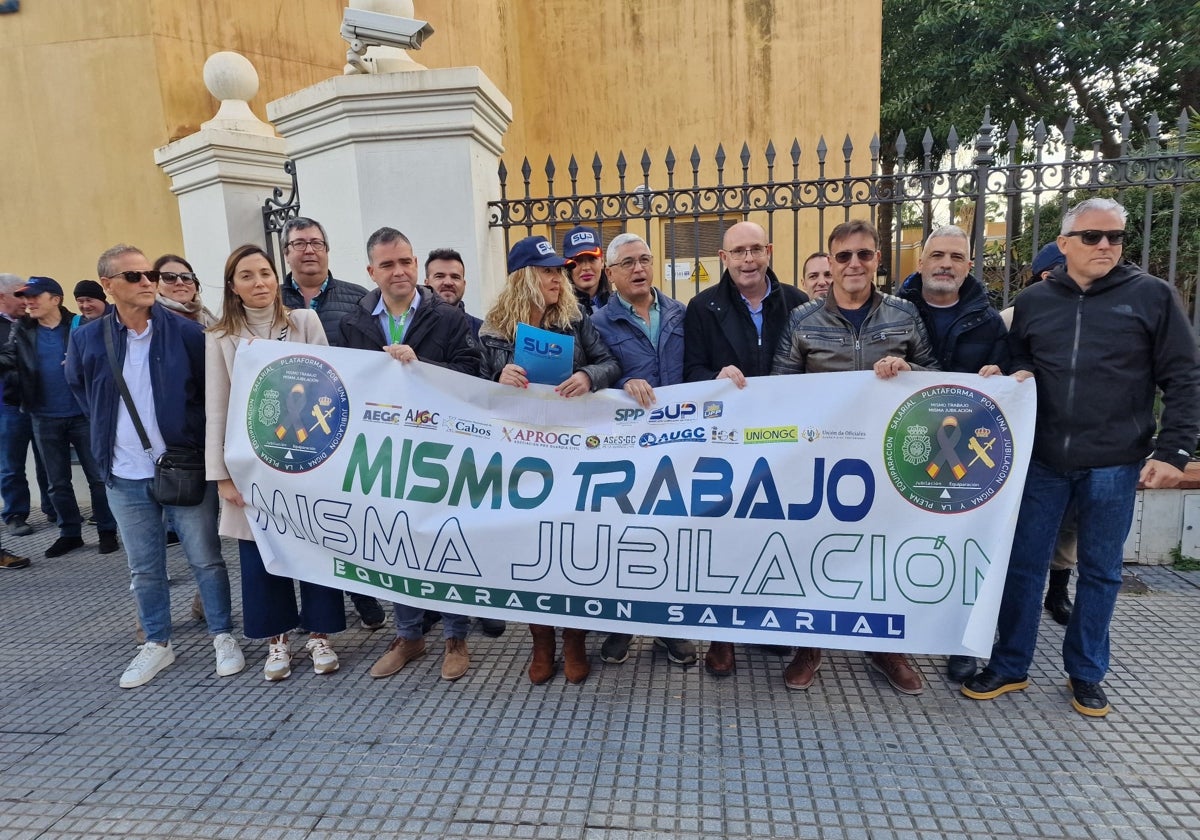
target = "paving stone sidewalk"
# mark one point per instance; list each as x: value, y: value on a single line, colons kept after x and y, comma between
x: 641, y: 751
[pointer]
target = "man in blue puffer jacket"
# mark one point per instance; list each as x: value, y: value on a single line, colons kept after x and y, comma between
x: 644, y: 329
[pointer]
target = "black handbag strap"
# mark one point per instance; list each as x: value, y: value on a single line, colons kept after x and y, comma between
x: 123, y: 388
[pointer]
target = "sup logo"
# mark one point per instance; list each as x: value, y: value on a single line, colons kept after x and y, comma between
x: 948, y: 449
x: 297, y: 413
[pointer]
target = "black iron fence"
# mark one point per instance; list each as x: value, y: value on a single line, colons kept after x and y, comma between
x: 1007, y: 191
x: 275, y: 212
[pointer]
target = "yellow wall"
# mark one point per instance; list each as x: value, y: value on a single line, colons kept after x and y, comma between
x: 88, y: 90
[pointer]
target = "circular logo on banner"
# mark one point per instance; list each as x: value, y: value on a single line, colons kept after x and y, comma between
x: 297, y: 413
x: 948, y: 449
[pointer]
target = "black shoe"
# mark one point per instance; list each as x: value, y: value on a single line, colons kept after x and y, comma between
x: 108, y: 542
x: 64, y: 544
x: 960, y: 668
x: 430, y: 618
x: 492, y: 627
x: 987, y: 684
x: 1058, y: 601
x: 615, y: 649
x: 1088, y: 698
x: 369, y: 611
x: 679, y: 651
x: 18, y: 527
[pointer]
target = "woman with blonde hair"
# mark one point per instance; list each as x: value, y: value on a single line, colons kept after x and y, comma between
x: 179, y: 289
x: 537, y: 292
x: 253, y: 309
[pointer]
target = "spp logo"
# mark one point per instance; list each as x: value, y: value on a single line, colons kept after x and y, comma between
x: 668, y: 413
x: 713, y: 409
x: 421, y: 419
x: 628, y: 415
x: 549, y: 349
x: 695, y: 434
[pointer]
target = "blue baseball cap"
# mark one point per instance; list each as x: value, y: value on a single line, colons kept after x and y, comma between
x: 581, y: 240
x: 1049, y: 257
x: 37, y: 285
x: 533, y: 250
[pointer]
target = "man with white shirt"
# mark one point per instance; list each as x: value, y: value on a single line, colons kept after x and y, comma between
x: 161, y: 358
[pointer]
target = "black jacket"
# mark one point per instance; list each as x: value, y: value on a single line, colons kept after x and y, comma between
x: 19, y: 356
x: 337, y: 301
x: 1097, y: 356
x: 718, y: 330
x: 975, y: 339
x: 438, y: 334
x: 592, y: 355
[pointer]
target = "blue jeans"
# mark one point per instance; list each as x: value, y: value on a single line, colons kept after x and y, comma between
x: 16, y: 434
x: 408, y: 623
x: 140, y: 520
x: 1103, y: 499
x: 269, y: 601
x: 55, y: 437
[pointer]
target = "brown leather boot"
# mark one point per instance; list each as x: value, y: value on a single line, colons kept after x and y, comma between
x: 575, y: 658
x: 719, y: 660
x: 541, y: 667
x: 799, y: 675
x: 898, y: 671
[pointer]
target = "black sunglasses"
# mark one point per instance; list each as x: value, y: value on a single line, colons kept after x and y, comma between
x: 136, y: 276
x: 181, y: 277
x: 863, y: 254
x: 1093, y: 237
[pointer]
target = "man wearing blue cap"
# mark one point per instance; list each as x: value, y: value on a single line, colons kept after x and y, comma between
x: 581, y: 245
x: 37, y: 350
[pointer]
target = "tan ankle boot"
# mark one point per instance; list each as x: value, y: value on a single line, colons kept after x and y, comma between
x: 541, y: 667
x: 575, y: 659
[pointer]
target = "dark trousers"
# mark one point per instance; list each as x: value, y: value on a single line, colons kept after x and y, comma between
x: 55, y: 436
x: 269, y: 601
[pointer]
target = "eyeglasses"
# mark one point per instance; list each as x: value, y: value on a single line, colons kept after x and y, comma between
x: 136, y: 276
x: 755, y: 251
x: 863, y: 254
x: 318, y: 245
x: 627, y: 264
x: 1093, y: 237
x: 170, y: 277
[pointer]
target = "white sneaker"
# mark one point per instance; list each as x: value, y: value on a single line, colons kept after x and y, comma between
x: 229, y: 655
x: 324, y: 660
x: 151, y: 659
x: 279, y: 661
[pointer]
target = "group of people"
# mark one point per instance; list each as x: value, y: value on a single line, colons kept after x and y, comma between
x: 1096, y: 334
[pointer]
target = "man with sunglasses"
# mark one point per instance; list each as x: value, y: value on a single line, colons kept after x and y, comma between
x: 730, y: 331
x: 856, y: 327
x: 309, y: 284
x: 1097, y: 336
x: 161, y: 359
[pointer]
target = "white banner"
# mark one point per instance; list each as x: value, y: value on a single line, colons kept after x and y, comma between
x: 832, y: 510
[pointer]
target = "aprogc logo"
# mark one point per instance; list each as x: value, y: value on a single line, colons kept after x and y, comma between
x: 668, y: 413
x: 695, y: 434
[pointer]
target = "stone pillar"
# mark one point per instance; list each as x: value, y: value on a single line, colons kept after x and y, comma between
x: 223, y: 173
x: 416, y: 151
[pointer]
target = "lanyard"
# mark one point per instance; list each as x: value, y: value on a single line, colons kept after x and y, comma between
x: 396, y: 329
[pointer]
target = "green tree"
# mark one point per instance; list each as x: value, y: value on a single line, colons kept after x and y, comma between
x: 1094, y: 61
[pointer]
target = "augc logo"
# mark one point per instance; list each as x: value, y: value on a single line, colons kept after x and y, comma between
x: 695, y: 434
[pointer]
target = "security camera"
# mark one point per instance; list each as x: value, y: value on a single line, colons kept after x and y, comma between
x: 363, y: 29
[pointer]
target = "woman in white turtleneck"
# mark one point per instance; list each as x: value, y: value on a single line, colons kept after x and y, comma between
x: 253, y: 309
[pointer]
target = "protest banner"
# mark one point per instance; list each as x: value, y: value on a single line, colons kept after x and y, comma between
x: 834, y: 510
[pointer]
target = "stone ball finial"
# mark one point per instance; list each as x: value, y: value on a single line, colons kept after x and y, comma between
x: 230, y: 75
x: 232, y: 79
